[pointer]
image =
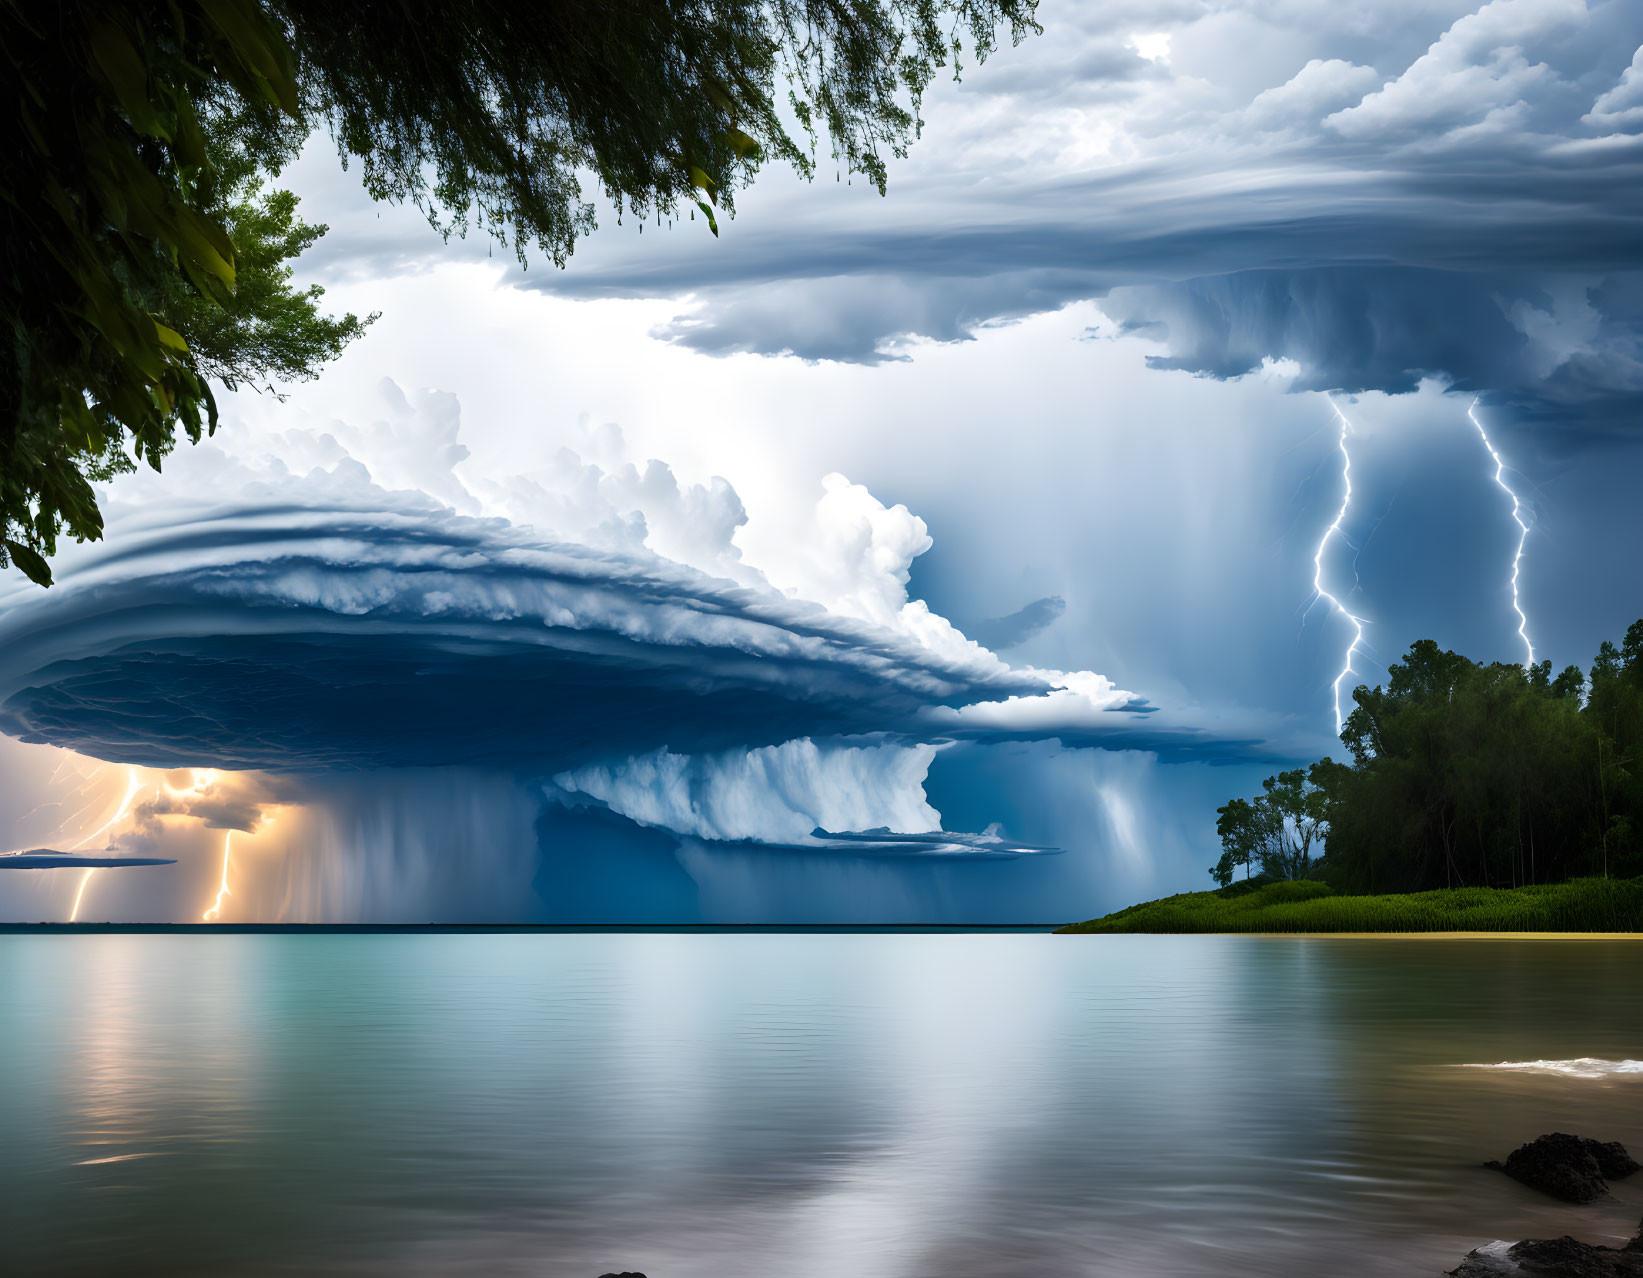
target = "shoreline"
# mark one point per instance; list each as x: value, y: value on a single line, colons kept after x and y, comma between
x: 1591, y: 907
x: 1404, y: 936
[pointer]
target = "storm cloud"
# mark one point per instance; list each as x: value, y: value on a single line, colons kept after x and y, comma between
x: 436, y: 704
x: 354, y: 638
x: 323, y: 637
x: 1442, y: 190
x: 306, y: 623
x: 1467, y: 209
x: 459, y: 673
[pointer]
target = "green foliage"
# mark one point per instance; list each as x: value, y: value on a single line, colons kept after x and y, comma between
x: 1239, y: 826
x: 1278, y: 829
x: 1476, y: 774
x: 1242, y: 887
x: 1581, y: 905
x: 117, y: 243
x: 267, y: 331
x: 1462, y: 774
x: 488, y: 116
x: 143, y: 259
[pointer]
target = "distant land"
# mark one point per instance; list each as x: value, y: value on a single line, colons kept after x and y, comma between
x: 1579, y: 905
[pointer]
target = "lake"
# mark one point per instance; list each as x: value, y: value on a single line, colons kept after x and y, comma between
x: 695, y: 1105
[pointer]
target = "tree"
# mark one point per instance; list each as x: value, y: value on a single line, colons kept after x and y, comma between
x: 1279, y: 829
x: 1298, y: 822
x: 1239, y: 827
x: 142, y: 260
x: 107, y: 214
x: 1465, y: 774
x: 1615, y: 705
x: 1569, y: 685
x: 266, y: 331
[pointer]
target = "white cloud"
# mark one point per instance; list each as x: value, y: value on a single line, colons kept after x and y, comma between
x: 1080, y: 701
x: 1475, y: 67
x: 775, y: 794
x: 1151, y: 45
x: 1622, y: 106
x: 854, y: 554
x: 1318, y: 88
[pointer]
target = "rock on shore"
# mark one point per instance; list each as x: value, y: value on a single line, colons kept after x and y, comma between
x: 1552, y: 1258
x: 1572, y: 1168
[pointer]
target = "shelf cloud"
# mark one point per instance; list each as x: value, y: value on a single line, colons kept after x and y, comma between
x: 302, y: 623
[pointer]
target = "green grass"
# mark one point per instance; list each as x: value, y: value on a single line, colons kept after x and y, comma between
x: 1580, y: 905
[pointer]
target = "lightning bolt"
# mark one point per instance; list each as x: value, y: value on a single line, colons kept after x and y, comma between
x: 214, y: 914
x: 210, y: 916
x: 1523, y: 535
x: 80, y: 895
x: 133, y: 784
x: 1334, y: 530
x: 201, y: 782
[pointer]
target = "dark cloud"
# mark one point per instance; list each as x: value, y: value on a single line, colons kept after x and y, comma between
x: 1003, y: 633
x: 1476, y: 161
x: 47, y: 859
x: 1531, y: 300
x: 1349, y: 328
x: 295, y: 638
x: 1174, y: 737
x: 1469, y: 217
x: 1360, y: 329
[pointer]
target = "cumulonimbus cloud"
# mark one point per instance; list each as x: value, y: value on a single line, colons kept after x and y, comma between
x: 291, y: 639
x: 300, y: 623
x: 306, y: 629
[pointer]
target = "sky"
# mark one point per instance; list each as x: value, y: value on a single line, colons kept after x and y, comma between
x: 947, y: 556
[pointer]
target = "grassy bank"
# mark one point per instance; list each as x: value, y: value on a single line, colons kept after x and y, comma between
x: 1581, y: 905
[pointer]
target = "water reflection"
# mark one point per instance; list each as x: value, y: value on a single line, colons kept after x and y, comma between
x: 811, y: 1105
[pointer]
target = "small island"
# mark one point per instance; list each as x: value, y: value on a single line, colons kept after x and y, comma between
x: 1479, y: 798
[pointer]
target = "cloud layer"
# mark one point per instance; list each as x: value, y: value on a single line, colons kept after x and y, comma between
x: 436, y: 704
x: 354, y: 637
x: 1437, y: 191
x: 319, y: 621
x: 48, y: 859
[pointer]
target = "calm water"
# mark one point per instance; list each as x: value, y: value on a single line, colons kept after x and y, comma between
x: 828, y: 1105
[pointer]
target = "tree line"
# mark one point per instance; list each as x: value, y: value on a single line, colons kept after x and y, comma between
x: 1462, y: 774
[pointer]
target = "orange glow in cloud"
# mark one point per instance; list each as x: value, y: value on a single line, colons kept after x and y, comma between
x: 200, y: 780
x: 134, y: 782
